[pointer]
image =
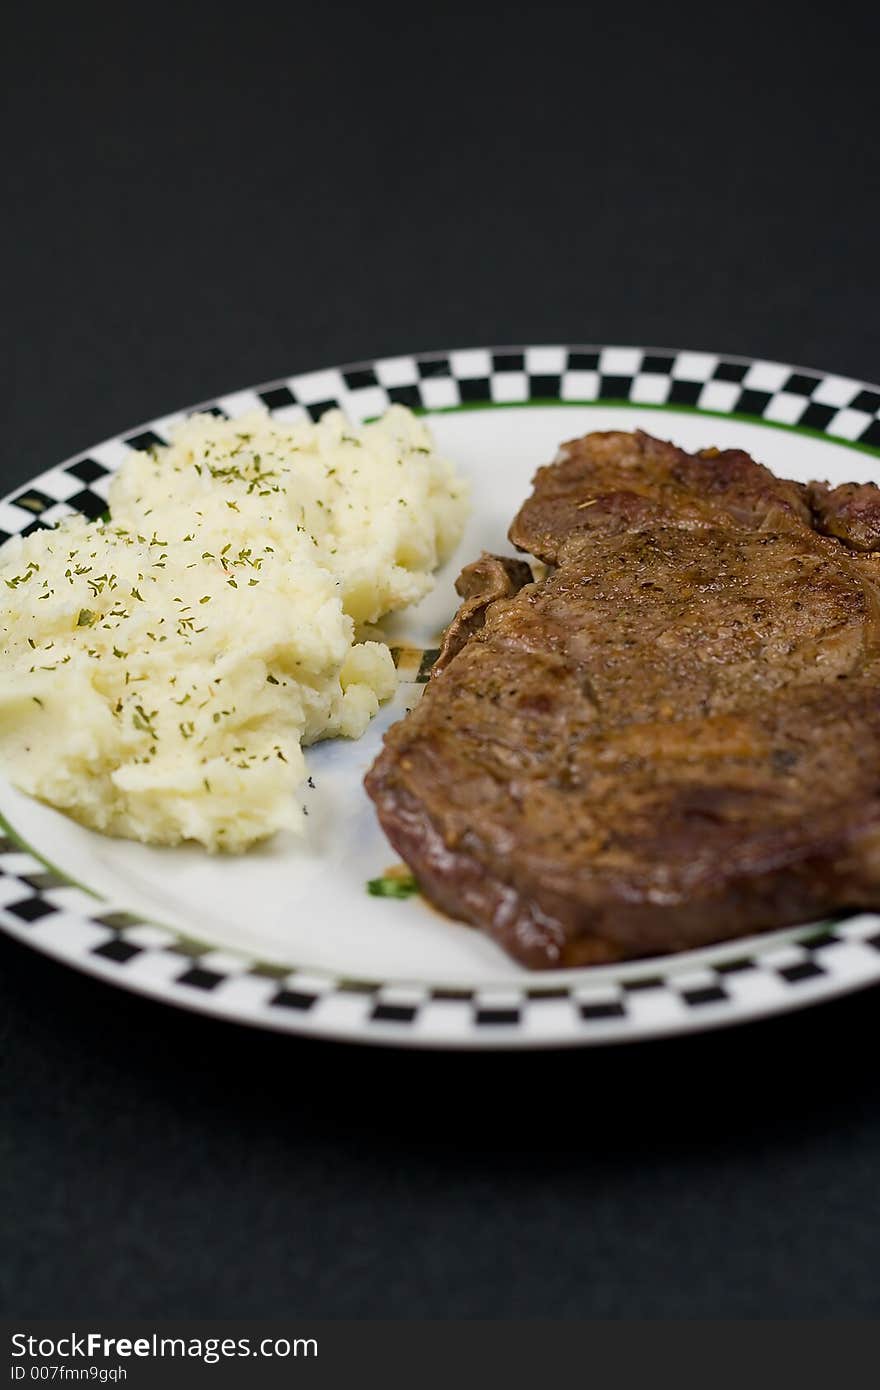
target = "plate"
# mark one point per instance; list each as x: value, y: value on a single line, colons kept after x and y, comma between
x: 288, y: 937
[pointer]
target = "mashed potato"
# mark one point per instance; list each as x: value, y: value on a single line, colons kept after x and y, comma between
x: 161, y: 670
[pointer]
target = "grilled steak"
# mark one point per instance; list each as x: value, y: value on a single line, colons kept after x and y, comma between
x: 671, y: 740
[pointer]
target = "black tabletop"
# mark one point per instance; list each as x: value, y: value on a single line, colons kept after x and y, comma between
x: 195, y: 208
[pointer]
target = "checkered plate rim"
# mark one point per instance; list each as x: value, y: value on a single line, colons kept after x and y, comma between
x: 766, y: 975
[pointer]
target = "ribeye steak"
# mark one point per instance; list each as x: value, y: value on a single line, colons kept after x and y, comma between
x: 670, y: 740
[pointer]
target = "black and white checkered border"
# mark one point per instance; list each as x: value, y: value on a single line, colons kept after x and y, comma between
x: 835, y: 406
x: 40, y: 905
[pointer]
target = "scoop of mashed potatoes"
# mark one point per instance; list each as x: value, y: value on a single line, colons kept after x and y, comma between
x: 161, y: 670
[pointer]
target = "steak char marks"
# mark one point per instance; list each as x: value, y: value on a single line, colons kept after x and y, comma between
x: 671, y: 740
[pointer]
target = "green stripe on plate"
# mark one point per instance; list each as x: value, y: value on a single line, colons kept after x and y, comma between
x: 672, y: 407
x: 17, y: 839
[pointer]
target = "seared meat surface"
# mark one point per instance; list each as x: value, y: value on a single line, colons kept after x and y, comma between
x: 671, y: 740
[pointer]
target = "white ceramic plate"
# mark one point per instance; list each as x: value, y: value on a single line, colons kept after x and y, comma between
x: 287, y: 937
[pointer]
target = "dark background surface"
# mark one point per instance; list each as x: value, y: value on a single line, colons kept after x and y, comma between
x: 191, y: 208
